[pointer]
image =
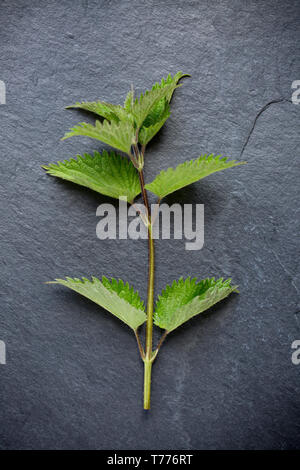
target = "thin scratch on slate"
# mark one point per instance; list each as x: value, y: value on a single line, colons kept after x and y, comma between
x: 289, y: 275
x: 297, y: 319
x: 260, y: 112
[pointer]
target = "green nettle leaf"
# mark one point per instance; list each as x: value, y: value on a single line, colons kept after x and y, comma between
x: 121, y: 113
x: 107, y: 173
x: 186, y: 298
x: 128, y: 103
x: 156, y: 114
x: 147, y: 101
x: 115, y: 296
x: 189, y: 172
x: 97, y: 107
x: 109, y: 111
x: 170, y: 81
x: 147, y: 132
x: 117, y: 135
x: 160, y: 111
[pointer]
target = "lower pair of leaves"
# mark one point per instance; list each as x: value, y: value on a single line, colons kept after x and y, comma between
x: 177, y: 303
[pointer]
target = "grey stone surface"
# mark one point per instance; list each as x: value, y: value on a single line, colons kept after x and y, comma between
x: 73, y: 378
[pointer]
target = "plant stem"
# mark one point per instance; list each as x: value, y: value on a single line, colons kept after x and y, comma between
x: 147, y: 383
x: 150, y: 297
x: 149, y: 328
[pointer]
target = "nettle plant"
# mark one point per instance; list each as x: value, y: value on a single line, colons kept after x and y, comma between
x: 129, y: 129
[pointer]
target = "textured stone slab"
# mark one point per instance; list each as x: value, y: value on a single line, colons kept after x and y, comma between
x: 73, y: 378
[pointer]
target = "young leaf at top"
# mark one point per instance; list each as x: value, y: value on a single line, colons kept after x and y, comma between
x: 147, y: 132
x: 161, y: 110
x: 172, y: 179
x: 185, y: 299
x: 142, y: 107
x: 107, y: 173
x: 118, y: 135
x: 158, y: 110
x: 170, y: 81
x: 150, y: 110
x: 115, y: 296
x: 128, y: 103
x: 97, y: 107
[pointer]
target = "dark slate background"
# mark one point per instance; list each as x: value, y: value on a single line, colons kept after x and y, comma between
x: 73, y: 378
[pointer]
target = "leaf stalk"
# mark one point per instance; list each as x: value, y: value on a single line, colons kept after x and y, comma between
x: 141, y: 349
